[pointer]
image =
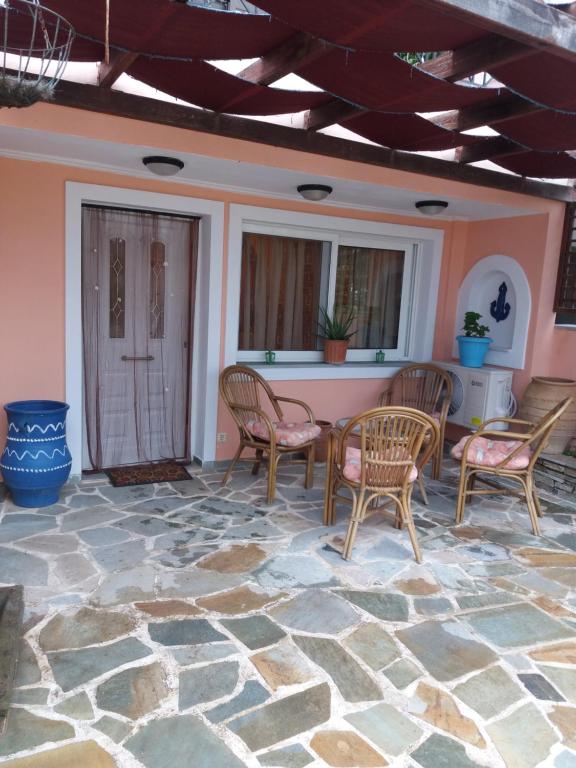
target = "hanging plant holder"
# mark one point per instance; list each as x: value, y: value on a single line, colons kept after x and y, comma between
x: 35, y: 47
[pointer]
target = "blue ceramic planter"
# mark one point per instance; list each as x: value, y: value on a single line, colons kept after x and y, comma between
x: 36, y: 461
x: 473, y: 350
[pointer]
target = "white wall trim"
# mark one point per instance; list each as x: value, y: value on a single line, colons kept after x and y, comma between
x: 515, y: 356
x: 427, y: 279
x: 207, y: 326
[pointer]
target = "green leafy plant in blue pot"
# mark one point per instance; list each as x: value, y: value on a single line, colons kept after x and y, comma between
x: 473, y: 343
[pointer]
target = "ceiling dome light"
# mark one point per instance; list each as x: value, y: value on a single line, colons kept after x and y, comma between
x: 163, y: 166
x: 314, y: 191
x: 431, y: 207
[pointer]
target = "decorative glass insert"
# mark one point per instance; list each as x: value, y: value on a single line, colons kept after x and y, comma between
x: 157, y: 289
x: 117, y: 287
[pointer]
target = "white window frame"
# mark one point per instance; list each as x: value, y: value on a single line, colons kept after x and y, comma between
x: 423, y: 248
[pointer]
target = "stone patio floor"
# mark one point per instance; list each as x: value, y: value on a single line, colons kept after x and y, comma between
x: 186, y: 625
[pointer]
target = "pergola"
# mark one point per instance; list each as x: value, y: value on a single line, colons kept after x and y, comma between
x: 349, y: 53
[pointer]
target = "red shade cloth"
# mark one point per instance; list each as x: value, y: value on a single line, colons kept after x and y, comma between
x: 409, y: 132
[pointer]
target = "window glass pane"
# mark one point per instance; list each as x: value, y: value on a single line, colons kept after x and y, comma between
x: 370, y: 280
x: 157, y: 289
x: 280, y: 292
x: 117, y: 287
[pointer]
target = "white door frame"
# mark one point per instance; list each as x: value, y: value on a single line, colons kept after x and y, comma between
x: 207, y: 308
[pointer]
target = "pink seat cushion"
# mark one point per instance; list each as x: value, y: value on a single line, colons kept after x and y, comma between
x: 289, y: 433
x: 352, y: 469
x: 490, y: 453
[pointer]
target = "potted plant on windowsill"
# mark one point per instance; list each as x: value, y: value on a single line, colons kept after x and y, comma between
x: 335, y: 329
x: 473, y: 344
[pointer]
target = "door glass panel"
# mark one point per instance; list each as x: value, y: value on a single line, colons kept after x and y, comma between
x: 117, y: 287
x: 157, y: 289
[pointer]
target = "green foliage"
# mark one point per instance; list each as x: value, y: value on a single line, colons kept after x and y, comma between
x: 337, y: 326
x: 472, y: 327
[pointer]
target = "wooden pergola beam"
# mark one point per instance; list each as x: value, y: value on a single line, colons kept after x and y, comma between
x: 488, y: 149
x: 489, y: 51
x: 335, y: 111
x: 299, y: 50
x: 126, y: 105
x: 531, y: 22
x: 487, y: 113
x: 119, y: 62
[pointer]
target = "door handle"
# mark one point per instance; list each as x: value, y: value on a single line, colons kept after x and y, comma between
x: 145, y: 358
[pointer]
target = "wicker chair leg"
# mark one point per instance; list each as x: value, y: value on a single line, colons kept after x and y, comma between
x: 532, y: 510
x: 309, y: 479
x: 537, y: 501
x: 272, y: 465
x: 233, y: 464
x: 407, y: 516
x: 256, y: 466
x: 461, y: 496
x: 437, y: 462
x: 352, y: 528
x: 422, y: 488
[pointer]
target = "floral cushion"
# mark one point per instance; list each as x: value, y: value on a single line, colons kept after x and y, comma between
x: 490, y: 453
x: 288, y: 433
x: 352, y: 468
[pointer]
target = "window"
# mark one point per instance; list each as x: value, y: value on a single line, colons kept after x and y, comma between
x: 288, y: 275
x: 565, y: 301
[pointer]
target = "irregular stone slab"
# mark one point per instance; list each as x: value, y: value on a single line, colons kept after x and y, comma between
x: 87, y: 754
x: 134, y: 692
x: 73, y: 568
x: 84, y: 627
x: 565, y: 760
x: 282, y: 665
x: 158, y: 506
x: 524, y: 738
x: 184, y: 632
x: 552, y: 607
x: 294, y: 756
x: 72, y: 668
x: 351, y: 680
x: 289, y: 571
x: 535, y: 581
x: 564, y: 718
x: 128, y: 494
x: 539, y: 687
x: 195, y: 583
x: 383, y: 605
x: 316, y: 611
x: 542, y: 558
x: 416, y: 587
x: 461, y: 654
x: 182, y: 557
x: 22, y: 568
x: 466, y: 602
x: 284, y: 718
x: 85, y: 500
x: 77, y: 707
x: 489, y: 692
x: 27, y: 669
x: 126, y: 587
x: 233, y: 509
x: 250, y: 696
x: 518, y: 625
x: 441, y: 752
x: 239, y: 558
x: 387, y: 549
x: 14, y: 527
x: 432, y: 606
x: 402, y: 673
x: 439, y: 709
x: 115, y: 729
x: 192, y: 487
x: 161, y: 609
x: 103, y: 537
x: 51, y: 543
x: 238, y: 600
x: 120, y: 556
x: 25, y: 731
x: 258, y: 530
x: 345, y: 749
x: 563, y: 678
x: 199, y: 654
x: 88, y: 518
x: 386, y: 727
x: 255, y: 631
x: 207, y: 683
x: 145, y: 525
x: 565, y: 576
x: 373, y: 645
x: 172, y: 742
x: 30, y: 696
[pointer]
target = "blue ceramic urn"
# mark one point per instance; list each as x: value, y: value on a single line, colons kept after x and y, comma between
x: 36, y: 461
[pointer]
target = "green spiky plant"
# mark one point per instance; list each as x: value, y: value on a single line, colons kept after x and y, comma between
x: 472, y: 327
x: 337, y: 326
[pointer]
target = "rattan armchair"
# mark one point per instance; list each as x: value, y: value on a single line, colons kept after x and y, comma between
x: 427, y: 388
x: 394, y: 443
x: 251, y: 401
x: 508, y: 455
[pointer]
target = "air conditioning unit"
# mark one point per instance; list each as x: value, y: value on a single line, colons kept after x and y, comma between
x: 479, y: 394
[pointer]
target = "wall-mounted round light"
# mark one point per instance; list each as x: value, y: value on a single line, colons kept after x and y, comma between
x: 314, y: 191
x: 431, y: 207
x: 163, y: 166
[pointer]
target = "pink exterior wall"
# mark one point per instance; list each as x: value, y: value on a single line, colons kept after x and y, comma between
x: 32, y: 225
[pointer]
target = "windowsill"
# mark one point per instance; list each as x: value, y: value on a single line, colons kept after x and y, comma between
x: 565, y: 327
x: 298, y: 371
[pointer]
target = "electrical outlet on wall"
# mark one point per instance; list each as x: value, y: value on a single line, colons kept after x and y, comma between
x: 222, y: 437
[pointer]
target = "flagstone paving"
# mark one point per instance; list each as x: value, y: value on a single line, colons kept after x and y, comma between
x: 171, y: 626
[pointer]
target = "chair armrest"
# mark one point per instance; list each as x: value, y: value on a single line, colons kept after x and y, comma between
x: 297, y: 402
x: 521, y: 436
x: 258, y: 412
x: 505, y: 419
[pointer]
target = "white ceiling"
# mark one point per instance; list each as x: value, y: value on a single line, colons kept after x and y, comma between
x: 236, y: 176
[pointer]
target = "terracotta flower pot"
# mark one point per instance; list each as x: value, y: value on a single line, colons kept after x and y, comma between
x: 541, y: 395
x: 335, y: 351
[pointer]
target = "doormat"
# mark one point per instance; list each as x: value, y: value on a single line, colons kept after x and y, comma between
x: 143, y: 474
